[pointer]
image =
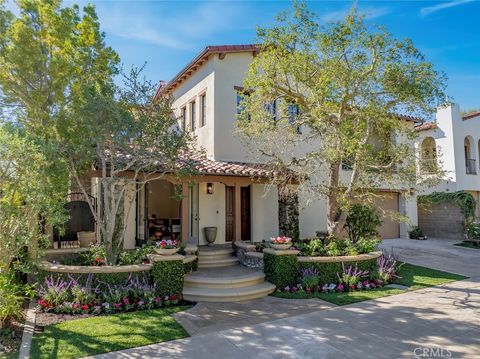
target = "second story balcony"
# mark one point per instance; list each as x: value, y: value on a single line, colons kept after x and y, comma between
x: 470, y: 166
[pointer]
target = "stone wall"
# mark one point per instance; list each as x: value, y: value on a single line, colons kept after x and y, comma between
x: 441, y: 220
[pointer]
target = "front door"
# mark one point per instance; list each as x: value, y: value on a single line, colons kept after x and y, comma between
x: 245, y: 213
x: 229, y: 213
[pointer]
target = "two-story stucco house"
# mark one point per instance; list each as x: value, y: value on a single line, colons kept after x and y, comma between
x: 452, y: 141
x: 230, y: 192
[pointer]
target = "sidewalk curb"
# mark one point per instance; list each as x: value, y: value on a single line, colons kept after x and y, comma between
x: 28, y: 330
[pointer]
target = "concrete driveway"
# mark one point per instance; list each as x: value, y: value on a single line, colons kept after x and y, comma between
x: 438, y: 322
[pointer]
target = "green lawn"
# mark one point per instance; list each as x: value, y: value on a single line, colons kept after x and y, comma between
x: 412, y: 276
x: 468, y: 245
x: 96, y: 335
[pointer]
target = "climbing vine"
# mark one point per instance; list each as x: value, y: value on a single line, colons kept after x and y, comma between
x: 462, y: 199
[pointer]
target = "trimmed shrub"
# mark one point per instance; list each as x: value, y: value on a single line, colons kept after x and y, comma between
x: 327, y: 272
x: 280, y: 270
x: 168, y: 276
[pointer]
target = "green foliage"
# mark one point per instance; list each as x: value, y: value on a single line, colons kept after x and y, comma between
x: 310, y: 282
x: 313, y: 247
x: 12, y: 296
x: 332, y: 246
x: 168, y: 277
x: 280, y: 270
x: 462, y: 199
x: 415, y: 232
x: 190, y: 266
x: 328, y: 271
x: 473, y: 230
x: 341, y: 83
x: 362, y: 222
x: 26, y: 193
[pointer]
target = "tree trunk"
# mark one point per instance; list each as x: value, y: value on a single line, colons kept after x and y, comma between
x: 332, y: 199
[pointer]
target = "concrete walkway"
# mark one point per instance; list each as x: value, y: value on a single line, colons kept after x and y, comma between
x: 435, y: 322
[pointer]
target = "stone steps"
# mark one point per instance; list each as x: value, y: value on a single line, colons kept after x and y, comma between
x: 216, y: 263
x: 196, y: 281
x: 216, y: 257
x: 237, y: 294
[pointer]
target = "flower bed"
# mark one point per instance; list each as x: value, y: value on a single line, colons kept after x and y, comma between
x: 349, y: 277
x: 283, y: 268
x: 107, y: 289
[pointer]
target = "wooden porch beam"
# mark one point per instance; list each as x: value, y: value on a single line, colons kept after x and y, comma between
x: 184, y: 215
x: 238, y: 214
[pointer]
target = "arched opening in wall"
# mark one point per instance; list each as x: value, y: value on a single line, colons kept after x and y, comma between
x: 469, y: 149
x: 428, y: 158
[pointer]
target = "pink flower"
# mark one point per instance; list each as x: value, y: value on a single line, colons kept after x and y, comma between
x: 75, y: 305
x: 117, y: 305
x: 126, y: 301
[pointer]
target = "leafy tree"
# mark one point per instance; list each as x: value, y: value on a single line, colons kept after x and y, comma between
x: 319, y: 98
x: 128, y: 140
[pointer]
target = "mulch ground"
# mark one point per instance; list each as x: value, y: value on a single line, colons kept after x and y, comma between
x: 11, y: 337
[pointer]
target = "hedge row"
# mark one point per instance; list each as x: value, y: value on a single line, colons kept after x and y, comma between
x: 285, y: 270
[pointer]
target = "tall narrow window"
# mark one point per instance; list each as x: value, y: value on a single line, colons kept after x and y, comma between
x: 192, y: 115
x: 203, y: 110
x: 293, y: 113
x: 183, y: 118
x: 271, y: 108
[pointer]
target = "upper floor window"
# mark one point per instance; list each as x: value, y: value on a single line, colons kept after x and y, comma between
x: 428, y: 156
x: 470, y: 165
x: 183, y: 118
x: 192, y: 115
x: 203, y: 110
x: 271, y: 108
x: 293, y: 113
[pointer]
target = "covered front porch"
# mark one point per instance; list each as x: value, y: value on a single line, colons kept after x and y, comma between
x: 238, y: 207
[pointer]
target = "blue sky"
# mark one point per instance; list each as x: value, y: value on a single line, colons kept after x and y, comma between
x: 167, y: 34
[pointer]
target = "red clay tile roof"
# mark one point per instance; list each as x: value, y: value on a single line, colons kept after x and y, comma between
x: 165, y: 88
x: 426, y: 126
x: 471, y: 115
x: 206, y: 166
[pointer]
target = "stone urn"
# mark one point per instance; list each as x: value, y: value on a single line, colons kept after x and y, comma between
x: 280, y: 246
x: 210, y: 234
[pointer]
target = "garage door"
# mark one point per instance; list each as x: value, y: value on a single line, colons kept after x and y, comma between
x: 387, y: 203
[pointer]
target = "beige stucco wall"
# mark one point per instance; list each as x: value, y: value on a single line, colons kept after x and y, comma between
x: 212, y: 211
x: 264, y: 207
x: 201, y: 81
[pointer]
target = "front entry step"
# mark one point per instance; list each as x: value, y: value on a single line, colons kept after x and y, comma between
x: 216, y: 256
x: 228, y: 294
x: 199, y: 281
x: 228, y: 284
x: 215, y: 263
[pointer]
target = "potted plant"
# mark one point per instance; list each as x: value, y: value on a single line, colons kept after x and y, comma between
x: 166, y: 247
x: 280, y: 243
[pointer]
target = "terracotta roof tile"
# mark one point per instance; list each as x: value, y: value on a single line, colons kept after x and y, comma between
x: 468, y: 116
x: 426, y: 126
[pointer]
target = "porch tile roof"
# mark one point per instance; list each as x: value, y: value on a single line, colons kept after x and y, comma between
x: 426, y: 126
x: 204, y: 165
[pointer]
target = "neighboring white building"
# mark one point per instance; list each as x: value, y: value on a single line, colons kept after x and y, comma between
x: 452, y: 142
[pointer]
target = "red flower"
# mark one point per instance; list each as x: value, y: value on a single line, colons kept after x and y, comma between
x: 173, y: 297
x: 85, y: 307
x: 44, y: 304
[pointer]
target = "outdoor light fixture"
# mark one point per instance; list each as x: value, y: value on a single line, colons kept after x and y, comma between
x: 209, y: 188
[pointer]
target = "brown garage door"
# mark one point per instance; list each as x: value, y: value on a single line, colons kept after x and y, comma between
x: 387, y: 203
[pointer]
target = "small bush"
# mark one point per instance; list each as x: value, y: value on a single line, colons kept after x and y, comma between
x: 415, y: 232
x: 280, y: 270
x: 473, y: 230
x: 362, y: 221
x: 12, y: 295
x: 168, y: 277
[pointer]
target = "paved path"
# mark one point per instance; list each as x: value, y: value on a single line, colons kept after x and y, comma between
x: 439, y: 322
